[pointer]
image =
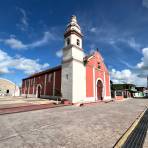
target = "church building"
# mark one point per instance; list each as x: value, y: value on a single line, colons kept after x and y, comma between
x: 79, y: 78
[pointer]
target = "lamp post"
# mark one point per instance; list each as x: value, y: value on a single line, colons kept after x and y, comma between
x: 147, y: 82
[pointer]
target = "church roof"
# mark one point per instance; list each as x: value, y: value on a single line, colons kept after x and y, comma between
x: 44, y: 72
x: 88, y: 57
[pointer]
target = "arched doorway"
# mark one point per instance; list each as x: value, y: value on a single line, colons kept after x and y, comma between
x: 39, y: 91
x: 99, y: 90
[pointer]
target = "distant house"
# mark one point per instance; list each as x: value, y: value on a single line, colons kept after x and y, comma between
x: 146, y: 93
x: 140, y: 92
x: 8, y: 88
x: 121, y: 91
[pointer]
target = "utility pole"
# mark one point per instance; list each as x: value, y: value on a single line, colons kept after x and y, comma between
x: 147, y: 82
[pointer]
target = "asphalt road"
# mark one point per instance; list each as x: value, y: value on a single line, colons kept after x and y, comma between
x: 92, y: 126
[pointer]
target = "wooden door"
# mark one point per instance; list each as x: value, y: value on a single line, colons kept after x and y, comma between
x: 99, y: 90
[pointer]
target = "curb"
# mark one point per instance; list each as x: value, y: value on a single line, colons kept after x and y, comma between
x: 125, y: 136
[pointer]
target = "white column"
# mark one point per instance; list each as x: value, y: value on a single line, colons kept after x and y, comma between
x: 25, y: 87
x: 104, y: 86
x: 33, y: 84
x: 54, y: 84
x: 94, y: 84
x: 45, y: 84
x: 109, y: 86
x: 29, y: 86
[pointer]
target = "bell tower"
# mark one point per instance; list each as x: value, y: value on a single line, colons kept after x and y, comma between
x: 73, y: 70
x: 73, y: 35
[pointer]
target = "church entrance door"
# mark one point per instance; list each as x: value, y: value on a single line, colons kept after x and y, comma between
x: 99, y: 90
x: 39, y: 92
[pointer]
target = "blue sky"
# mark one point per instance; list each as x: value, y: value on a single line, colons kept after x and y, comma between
x: 31, y: 35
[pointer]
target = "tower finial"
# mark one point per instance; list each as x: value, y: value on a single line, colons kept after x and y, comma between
x: 73, y: 18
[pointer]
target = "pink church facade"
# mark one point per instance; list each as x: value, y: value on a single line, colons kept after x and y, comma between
x: 97, y: 78
x: 79, y: 78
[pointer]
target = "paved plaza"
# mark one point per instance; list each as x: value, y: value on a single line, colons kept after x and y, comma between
x: 91, y: 126
x: 8, y: 101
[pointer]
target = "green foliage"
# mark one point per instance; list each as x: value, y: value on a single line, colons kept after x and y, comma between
x: 122, y: 86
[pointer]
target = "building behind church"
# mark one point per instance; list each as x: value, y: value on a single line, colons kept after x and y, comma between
x: 79, y: 78
x: 8, y: 88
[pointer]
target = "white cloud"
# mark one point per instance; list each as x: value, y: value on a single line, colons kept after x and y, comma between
x: 59, y: 53
x: 109, y: 34
x: 144, y: 60
x: 24, y: 20
x: 93, y: 29
x: 145, y: 3
x: 135, y: 74
x: 127, y: 76
x: 17, y: 44
x: 127, y: 64
x: 46, y: 38
x: 133, y: 44
x: 29, y: 66
x: 14, y: 43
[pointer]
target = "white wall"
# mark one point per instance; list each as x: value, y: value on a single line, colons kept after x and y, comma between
x: 73, y: 40
x: 73, y: 88
x: 79, y: 82
x: 66, y: 84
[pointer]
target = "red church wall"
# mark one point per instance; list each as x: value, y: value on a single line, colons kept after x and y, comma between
x: 40, y: 80
x: 99, y: 75
x: 48, y: 86
x: 58, y: 81
x: 95, y: 61
x: 107, y: 85
x: 23, y: 87
x: 31, y: 89
x: 89, y: 81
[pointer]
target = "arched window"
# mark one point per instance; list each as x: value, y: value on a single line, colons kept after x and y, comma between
x: 78, y: 42
x: 99, y: 65
x: 68, y: 41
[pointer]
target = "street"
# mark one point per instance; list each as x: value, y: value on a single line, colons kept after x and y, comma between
x: 94, y: 125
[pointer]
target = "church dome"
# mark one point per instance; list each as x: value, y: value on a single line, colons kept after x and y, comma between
x: 73, y: 25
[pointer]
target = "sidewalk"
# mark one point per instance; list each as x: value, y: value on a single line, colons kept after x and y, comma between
x: 20, y: 104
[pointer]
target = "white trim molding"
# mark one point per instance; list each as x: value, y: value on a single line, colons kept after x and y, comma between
x: 45, y: 84
x: 53, y: 93
x: 37, y: 89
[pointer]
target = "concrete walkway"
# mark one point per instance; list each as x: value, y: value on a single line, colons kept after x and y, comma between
x: 95, y: 126
x: 13, y: 101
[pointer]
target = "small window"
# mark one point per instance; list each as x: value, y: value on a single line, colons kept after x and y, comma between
x: 78, y: 42
x: 68, y: 41
x: 99, y: 65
